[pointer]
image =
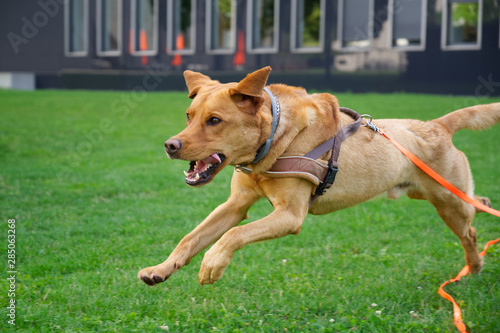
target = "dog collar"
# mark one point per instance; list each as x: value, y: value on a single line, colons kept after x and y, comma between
x: 276, y: 112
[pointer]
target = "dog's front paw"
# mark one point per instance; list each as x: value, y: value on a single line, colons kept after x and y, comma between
x: 212, y: 267
x: 157, y: 274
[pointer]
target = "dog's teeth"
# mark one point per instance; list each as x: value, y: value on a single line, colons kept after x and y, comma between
x: 186, y: 173
x: 197, y: 176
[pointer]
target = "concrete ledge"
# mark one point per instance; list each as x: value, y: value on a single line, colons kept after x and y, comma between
x: 17, y: 81
x: 374, y: 82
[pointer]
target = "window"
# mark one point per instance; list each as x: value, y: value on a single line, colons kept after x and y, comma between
x: 461, y: 25
x: 307, y: 25
x: 221, y: 26
x: 76, y: 28
x: 262, y: 26
x: 109, y: 25
x: 408, y: 20
x: 144, y: 34
x: 355, y: 24
x: 182, y: 26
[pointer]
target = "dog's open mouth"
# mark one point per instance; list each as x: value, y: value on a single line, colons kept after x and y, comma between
x: 200, y: 172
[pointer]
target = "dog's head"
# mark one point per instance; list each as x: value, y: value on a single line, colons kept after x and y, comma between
x: 225, y: 124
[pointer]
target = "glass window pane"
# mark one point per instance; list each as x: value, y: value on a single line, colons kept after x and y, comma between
x: 76, y: 26
x: 407, y: 22
x: 222, y: 22
x: 182, y: 25
x: 308, y: 23
x: 110, y: 25
x: 144, y: 33
x: 462, y: 22
x: 356, y: 23
x: 263, y: 24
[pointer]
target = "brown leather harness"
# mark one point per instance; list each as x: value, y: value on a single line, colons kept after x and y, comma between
x: 306, y: 167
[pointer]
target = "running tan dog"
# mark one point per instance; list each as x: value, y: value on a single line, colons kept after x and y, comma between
x: 229, y: 124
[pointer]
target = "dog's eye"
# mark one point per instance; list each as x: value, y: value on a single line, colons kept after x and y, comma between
x: 214, y: 121
x: 187, y: 117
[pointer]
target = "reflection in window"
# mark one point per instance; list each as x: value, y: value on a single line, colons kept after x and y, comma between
x: 76, y: 27
x: 181, y: 20
x: 144, y: 18
x: 221, y: 25
x: 355, y: 25
x: 462, y: 23
x: 109, y: 34
x: 308, y: 24
x: 262, y: 24
x: 409, y: 20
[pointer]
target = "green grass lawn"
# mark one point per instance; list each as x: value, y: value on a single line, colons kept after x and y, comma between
x: 95, y: 198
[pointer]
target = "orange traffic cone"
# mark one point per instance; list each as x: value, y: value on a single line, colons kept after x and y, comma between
x: 239, y: 57
x: 143, y: 46
x: 179, y: 45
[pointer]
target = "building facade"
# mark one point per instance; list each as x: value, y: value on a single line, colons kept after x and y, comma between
x: 440, y: 46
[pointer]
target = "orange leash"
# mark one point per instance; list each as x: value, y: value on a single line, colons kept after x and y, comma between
x: 457, y: 313
x: 433, y: 174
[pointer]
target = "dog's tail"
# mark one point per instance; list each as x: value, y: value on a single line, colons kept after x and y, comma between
x: 476, y: 117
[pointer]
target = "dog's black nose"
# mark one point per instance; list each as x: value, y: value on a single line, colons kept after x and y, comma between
x: 173, y: 146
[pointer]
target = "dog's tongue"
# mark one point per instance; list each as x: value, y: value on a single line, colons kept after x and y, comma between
x: 212, y: 159
x: 203, y: 164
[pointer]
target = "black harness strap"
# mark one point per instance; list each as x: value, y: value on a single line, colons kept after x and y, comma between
x: 333, y: 144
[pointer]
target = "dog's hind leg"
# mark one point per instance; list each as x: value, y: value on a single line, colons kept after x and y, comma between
x: 460, y: 225
x: 453, y: 165
x: 458, y: 216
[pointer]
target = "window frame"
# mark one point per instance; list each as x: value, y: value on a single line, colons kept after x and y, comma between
x: 293, y: 34
x: 208, y: 26
x: 423, y: 29
x: 99, y: 13
x: 340, y: 28
x: 444, y: 29
x: 67, y: 35
x: 250, y: 16
x: 133, y: 27
x: 170, y: 29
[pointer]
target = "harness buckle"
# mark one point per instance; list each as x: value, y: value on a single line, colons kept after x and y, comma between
x: 328, y: 181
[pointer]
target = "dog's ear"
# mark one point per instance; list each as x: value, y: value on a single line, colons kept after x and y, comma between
x: 194, y: 81
x: 253, y: 84
x: 251, y: 88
